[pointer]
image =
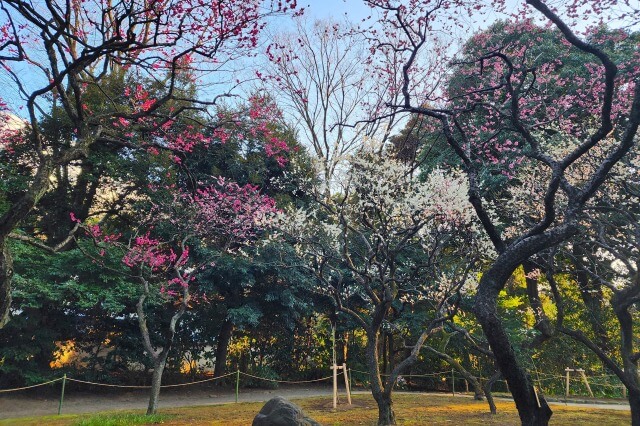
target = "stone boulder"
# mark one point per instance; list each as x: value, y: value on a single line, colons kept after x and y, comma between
x: 280, y: 412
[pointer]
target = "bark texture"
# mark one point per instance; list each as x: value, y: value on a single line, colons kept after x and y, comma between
x: 156, y: 382
x: 222, y: 348
x: 6, y: 275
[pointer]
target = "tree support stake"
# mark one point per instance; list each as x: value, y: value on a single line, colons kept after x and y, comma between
x: 64, y: 382
x: 237, y: 384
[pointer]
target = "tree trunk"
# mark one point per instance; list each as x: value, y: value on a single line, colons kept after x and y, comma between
x: 386, y: 416
x: 6, y: 276
x: 391, y: 353
x: 385, y: 364
x: 477, y: 390
x: 634, y: 403
x: 621, y: 302
x: 519, y: 384
x: 224, y: 337
x: 156, y: 382
x: 487, y: 388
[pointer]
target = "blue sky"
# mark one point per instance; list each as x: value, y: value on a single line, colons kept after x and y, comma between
x: 321, y: 9
x: 336, y: 8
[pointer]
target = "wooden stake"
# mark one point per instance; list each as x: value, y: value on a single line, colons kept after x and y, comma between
x: 335, y: 386
x: 535, y: 392
x: 453, y: 382
x: 586, y: 382
x: 64, y: 382
x: 566, y: 393
x: 237, y: 384
x: 346, y: 382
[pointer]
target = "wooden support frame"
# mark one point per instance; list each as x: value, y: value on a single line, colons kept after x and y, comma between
x: 583, y: 376
x: 347, y: 386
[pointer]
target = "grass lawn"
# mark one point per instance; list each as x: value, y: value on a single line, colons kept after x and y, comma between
x: 411, y: 409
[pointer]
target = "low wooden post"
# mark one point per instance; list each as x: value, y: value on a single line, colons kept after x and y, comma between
x: 334, y: 367
x: 568, y: 371
x: 453, y: 382
x: 346, y: 382
x: 466, y: 386
x: 64, y: 382
x: 586, y: 382
x: 237, y: 383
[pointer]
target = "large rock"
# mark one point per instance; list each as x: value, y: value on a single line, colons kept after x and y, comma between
x: 280, y: 412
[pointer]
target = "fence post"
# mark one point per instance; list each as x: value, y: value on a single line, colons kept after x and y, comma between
x: 64, y: 382
x: 453, y: 382
x: 237, y: 383
x: 335, y: 386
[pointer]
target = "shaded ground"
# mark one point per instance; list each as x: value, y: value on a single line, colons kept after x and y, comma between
x: 38, y: 403
x: 45, y: 401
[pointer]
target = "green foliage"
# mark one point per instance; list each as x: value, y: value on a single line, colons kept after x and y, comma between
x: 60, y: 298
x: 264, y: 372
x: 126, y: 419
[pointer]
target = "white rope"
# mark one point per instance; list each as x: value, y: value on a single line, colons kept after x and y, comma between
x: 287, y: 381
x: 409, y: 375
x: 30, y: 387
x: 146, y: 386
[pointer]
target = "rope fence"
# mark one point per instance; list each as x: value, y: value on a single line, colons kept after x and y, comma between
x: 148, y: 386
x: 543, y: 380
x: 287, y: 381
x: 237, y: 373
x: 412, y: 375
x: 31, y: 387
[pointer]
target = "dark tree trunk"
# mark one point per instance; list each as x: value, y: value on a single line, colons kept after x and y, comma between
x: 621, y: 302
x: 531, y: 414
x: 385, y: 364
x: 390, y: 354
x: 222, y: 348
x: 470, y: 378
x: 345, y: 347
x: 488, y: 388
x: 6, y: 276
x: 158, y: 356
x: 543, y: 324
x: 386, y: 416
x: 634, y: 403
x: 156, y: 382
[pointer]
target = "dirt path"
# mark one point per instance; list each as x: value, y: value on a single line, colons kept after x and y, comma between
x: 34, y: 404
x: 45, y: 403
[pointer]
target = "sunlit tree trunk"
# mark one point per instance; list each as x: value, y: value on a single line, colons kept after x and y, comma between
x: 156, y: 382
